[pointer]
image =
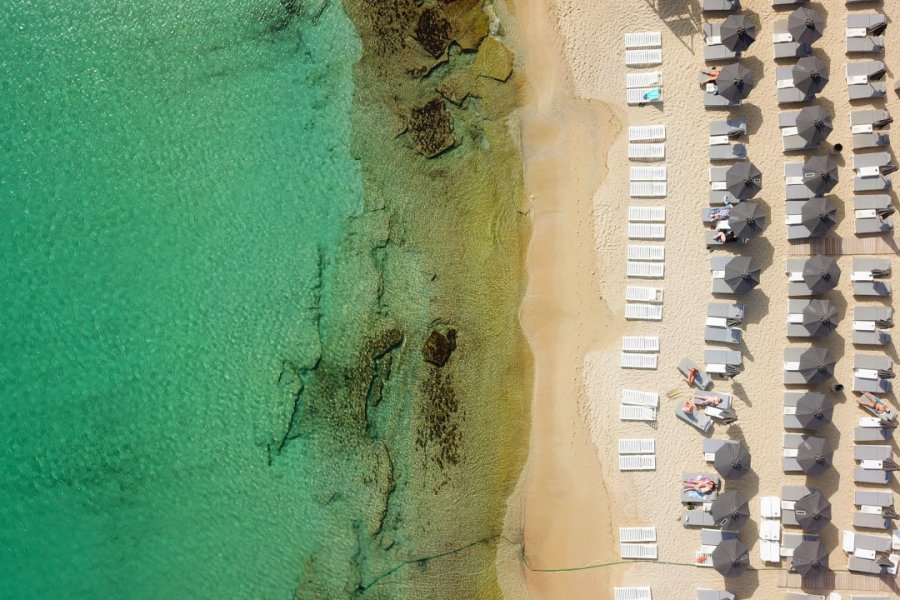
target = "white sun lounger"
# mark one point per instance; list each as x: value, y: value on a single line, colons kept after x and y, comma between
x: 644, y: 462
x: 630, y: 360
x: 643, y: 312
x: 647, y: 214
x: 639, y: 95
x: 648, y: 189
x: 640, y: 398
x: 643, y: 58
x: 632, y: 593
x: 645, y: 270
x: 637, y: 446
x: 646, y: 231
x: 637, y: 534
x: 646, y: 151
x: 643, y: 79
x: 646, y: 252
x: 643, y: 39
x: 642, y: 173
x: 637, y: 413
x: 638, y: 551
x: 640, y: 343
x: 647, y: 133
x: 635, y: 293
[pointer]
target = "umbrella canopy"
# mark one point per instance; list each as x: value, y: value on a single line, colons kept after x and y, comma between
x: 814, y: 410
x: 734, y: 82
x: 816, y: 365
x: 818, y: 215
x: 732, y: 461
x: 819, y: 175
x: 743, y: 180
x: 805, y: 25
x: 819, y: 317
x: 730, y: 558
x: 813, y: 511
x: 730, y: 511
x: 741, y: 274
x: 814, y: 124
x: 737, y: 33
x: 814, y: 455
x: 821, y: 273
x: 809, y: 558
x: 810, y: 75
x: 747, y: 219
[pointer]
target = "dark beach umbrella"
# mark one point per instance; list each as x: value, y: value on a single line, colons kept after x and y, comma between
x: 814, y: 124
x: 821, y: 274
x: 730, y: 558
x: 747, y: 219
x: 743, y: 180
x: 819, y: 175
x: 810, y: 75
x: 814, y: 455
x: 813, y: 511
x: 814, y: 410
x: 805, y: 25
x: 818, y: 215
x: 730, y: 511
x: 819, y: 317
x: 735, y: 82
x: 810, y: 558
x: 741, y: 274
x: 737, y: 33
x: 732, y: 461
x: 816, y: 365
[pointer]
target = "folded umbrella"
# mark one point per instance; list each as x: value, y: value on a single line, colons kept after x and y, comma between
x: 814, y: 455
x: 818, y: 215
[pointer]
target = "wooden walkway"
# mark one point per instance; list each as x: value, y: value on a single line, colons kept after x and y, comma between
x: 836, y: 246
x: 839, y: 581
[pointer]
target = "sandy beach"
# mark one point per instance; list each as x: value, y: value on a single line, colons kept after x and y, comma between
x: 572, y: 498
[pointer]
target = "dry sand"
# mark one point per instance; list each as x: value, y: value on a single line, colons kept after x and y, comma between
x: 571, y: 497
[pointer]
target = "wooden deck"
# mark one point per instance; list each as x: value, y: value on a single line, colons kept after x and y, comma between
x: 836, y: 246
x: 842, y: 581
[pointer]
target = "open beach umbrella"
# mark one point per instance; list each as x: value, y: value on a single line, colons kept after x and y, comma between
x: 737, y: 33
x: 821, y: 274
x: 813, y: 511
x: 819, y: 317
x: 814, y: 455
x: 730, y: 511
x: 743, y: 180
x: 747, y: 219
x: 814, y: 124
x: 819, y: 175
x: 805, y: 25
x: 735, y: 81
x: 741, y: 274
x: 814, y: 410
x: 732, y: 461
x: 816, y: 365
x: 730, y: 558
x: 810, y: 74
x: 810, y: 558
x: 818, y: 215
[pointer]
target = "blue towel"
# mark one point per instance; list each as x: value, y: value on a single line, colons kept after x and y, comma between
x: 652, y: 94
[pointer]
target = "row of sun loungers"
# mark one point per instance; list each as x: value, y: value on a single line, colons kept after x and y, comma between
x: 868, y: 553
x: 864, y: 80
x: 638, y: 543
x: 721, y: 137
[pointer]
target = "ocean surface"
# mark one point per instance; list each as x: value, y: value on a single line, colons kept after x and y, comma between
x: 173, y: 176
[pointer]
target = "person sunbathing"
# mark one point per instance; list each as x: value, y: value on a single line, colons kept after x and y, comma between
x: 706, y: 400
x: 720, y: 214
x: 726, y: 236
x: 702, y: 484
x: 711, y: 75
x: 688, y: 407
x: 693, y: 372
x: 876, y: 404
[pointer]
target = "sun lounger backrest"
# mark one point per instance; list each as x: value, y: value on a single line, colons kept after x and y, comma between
x: 642, y: 79
x: 632, y: 593
x: 636, y: 413
x: 643, y: 39
x: 647, y: 133
x: 632, y: 343
x: 643, y: 95
x: 634, y: 293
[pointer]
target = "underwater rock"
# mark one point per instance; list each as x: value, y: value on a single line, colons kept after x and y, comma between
x: 494, y: 60
x: 431, y: 128
x: 456, y: 88
x: 438, y: 347
x: 469, y: 23
x: 433, y: 31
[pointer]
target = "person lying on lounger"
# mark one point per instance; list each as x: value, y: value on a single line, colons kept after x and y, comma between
x: 706, y: 400
x: 698, y: 489
x: 720, y: 214
x: 876, y: 404
x: 726, y: 236
x: 688, y: 407
x: 711, y: 75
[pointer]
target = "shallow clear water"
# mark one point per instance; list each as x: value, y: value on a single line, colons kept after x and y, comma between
x: 171, y: 172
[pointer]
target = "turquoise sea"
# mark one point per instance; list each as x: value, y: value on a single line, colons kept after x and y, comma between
x: 172, y: 174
